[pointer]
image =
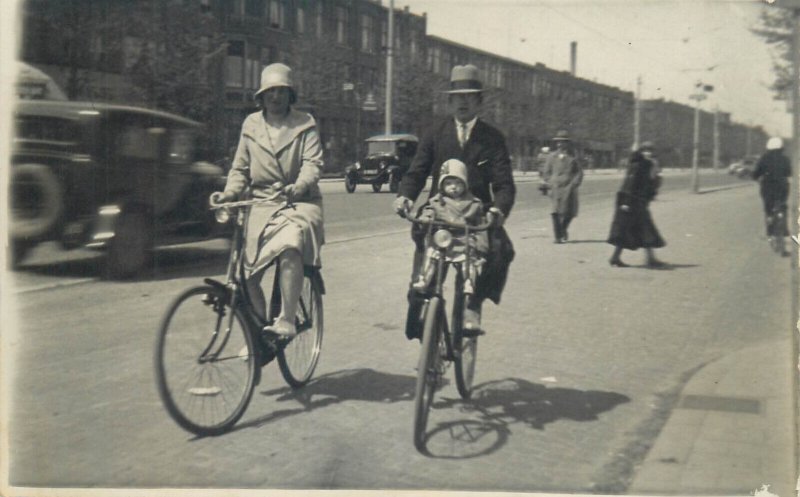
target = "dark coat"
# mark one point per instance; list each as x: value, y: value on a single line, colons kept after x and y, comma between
x: 489, y: 178
x: 773, y: 171
x: 634, y: 228
x: 563, y: 173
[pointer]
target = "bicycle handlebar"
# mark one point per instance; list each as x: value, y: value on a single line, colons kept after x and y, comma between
x: 243, y: 203
x: 447, y: 224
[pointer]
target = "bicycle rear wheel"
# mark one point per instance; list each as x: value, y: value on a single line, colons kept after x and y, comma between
x: 298, y: 358
x: 428, y: 370
x: 205, y: 362
x: 465, y: 350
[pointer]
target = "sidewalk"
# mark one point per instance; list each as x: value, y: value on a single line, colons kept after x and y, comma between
x: 721, y: 434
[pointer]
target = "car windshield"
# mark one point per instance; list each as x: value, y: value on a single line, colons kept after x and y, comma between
x: 380, y: 147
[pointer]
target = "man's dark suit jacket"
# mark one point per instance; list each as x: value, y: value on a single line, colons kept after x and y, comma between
x: 490, y: 179
x: 486, y: 157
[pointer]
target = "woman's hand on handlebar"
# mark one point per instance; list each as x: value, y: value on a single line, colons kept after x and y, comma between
x: 292, y: 191
x: 217, y: 198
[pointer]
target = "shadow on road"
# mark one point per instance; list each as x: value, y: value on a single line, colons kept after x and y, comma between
x: 167, y: 263
x: 497, y: 405
x: 585, y: 241
x: 341, y: 386
x: 668, y: 266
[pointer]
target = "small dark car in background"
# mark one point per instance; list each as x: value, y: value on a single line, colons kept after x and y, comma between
x: 387, y: 159
x: 117, y: 178
x: 743, y: 168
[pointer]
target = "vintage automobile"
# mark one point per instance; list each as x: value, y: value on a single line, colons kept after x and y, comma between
x: 387, y: 159
x: 743, y: 168
x: 117, y: 178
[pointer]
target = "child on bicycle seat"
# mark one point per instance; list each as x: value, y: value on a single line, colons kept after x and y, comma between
x: 454, y: 203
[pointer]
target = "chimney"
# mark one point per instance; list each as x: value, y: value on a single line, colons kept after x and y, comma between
x: 573, y: 56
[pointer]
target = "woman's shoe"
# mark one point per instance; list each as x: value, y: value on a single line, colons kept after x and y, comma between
x: 617, y: 263
x: 282, y: 327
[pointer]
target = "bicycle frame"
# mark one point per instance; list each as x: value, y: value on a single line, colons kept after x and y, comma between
x: 443, y: 262
x: 238, y: 296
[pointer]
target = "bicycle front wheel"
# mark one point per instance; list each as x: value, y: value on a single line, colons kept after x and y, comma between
x: 465, y: 350
x: 205, y: 362
x: 428, y: 370
x: 298, y: 358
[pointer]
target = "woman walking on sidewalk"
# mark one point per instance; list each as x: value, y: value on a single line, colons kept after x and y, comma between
x: 632, y: 226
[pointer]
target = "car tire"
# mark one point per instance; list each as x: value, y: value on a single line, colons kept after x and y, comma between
x: 394, y: 183
x: 349, y: 184
x: 18, y: 251
x: 131, y: 249
x: 376, y: 187
x: 37, y: 201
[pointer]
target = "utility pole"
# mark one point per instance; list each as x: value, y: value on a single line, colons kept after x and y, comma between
x: 389, y: 69
x: 747, y: 142
x: 715, y: 157
x: 637, y: 109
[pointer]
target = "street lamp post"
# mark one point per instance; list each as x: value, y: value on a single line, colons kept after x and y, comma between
x: 357, y: 96
x: 698, y: 96
x: 637, y: 112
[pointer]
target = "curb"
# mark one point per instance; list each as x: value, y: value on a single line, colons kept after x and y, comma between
x: 720, y: 436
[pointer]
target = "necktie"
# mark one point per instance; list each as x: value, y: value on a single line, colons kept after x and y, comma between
x: 462, y: 134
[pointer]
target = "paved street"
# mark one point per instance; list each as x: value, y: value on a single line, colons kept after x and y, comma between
x: 582, y: 378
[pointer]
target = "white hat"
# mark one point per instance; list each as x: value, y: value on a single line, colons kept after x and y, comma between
x: 465, y: 79
x: 774, y: 143
x: 453, y: 168
x: 275, y: 75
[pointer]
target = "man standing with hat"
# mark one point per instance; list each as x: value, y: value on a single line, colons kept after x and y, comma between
x: 483, y: 149
x: 563, y: 174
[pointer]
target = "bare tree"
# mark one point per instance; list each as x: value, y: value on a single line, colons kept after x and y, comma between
x: 775, y: 27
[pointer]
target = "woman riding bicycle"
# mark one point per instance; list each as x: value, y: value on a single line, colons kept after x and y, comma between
x: 278, y: 157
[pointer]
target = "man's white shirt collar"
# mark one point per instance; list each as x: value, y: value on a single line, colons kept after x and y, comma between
x: 470, y: 125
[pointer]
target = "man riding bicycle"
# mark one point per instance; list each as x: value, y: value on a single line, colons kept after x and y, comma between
x: 482, y: 148
x: 773, y: 171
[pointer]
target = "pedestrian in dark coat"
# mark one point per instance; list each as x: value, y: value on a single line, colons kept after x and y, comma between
x: 773, y: 171
x: 563, y: 174
x: 482, y: 148
x: 632, y: 226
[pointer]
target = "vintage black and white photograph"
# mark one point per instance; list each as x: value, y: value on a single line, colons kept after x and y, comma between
x: 461, y: 246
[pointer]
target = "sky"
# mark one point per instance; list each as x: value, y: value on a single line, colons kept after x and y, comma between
x: 669, y: 44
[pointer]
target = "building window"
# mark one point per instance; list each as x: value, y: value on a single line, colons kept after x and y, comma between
x: 341, y: 25
x: 367, y: 32
x: 234, y: 64
x: 301, y: 20
x: 413, y: 50
x: 434, y: 60
x: 254, y: 8
x: 277, y: 14
x: 233, y: 7
x: 253, y: 68
x: 131, y: 51
x: 319, y: 24
x: 384, y: 34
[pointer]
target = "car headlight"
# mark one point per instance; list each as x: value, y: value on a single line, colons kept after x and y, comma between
x: 222, y: 215
x: 442, y: 239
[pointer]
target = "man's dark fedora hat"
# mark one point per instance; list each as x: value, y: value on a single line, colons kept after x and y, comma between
x: 464, y: 79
